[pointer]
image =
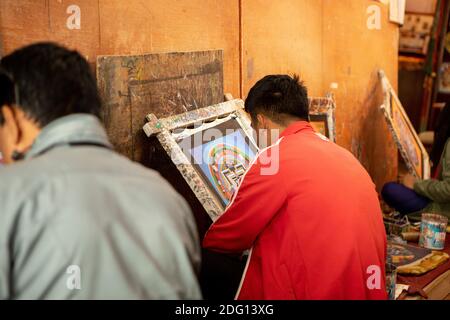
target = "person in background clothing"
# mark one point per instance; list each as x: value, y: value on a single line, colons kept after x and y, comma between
x: 78, y: 220
x: 306, y: 209
x: 414, y: 196
x: 441, y: 135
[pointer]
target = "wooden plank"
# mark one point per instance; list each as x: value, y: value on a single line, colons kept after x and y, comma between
x: 439, y: 289
x: 163, y: 84
x: 140, y: 27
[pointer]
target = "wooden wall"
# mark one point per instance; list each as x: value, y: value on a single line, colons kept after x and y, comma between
x: 282, y: 37
x: 129, y: 27
x: 325, y: 41
x: 352, y: 54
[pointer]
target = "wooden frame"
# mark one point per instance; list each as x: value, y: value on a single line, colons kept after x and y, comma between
x: 174, y: 128
x: 170, y: 130
x: 397, y: 11
x: 444, y: 78
x: 408, y: 143
x: 322, y: 116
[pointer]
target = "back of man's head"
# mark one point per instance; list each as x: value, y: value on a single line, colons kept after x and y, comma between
x: 278, y: 97
x: 48, y: 82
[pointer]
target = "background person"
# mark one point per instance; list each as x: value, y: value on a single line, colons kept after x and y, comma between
x: 314, y: 225
x: 413, y: 196
x: 78, y: 220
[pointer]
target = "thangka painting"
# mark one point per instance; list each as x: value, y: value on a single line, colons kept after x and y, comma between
x: 223, y: 162
x: 212, y: 149
x: 405, y: 136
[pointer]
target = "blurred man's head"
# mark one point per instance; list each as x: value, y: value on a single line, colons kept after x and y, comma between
x: 275, y: 102
x: 38, y: 84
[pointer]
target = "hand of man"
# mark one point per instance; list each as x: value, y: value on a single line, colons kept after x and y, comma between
x: 409, y: 180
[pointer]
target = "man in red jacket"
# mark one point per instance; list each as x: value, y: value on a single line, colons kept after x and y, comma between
x: 306, y: 208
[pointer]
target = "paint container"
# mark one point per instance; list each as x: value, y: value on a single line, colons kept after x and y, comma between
x: 432, y: 231
x: 396, y: 226
x: 411, y: 236
x: 391, y: 280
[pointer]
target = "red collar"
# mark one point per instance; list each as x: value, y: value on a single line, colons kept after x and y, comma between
x: 297, y: 127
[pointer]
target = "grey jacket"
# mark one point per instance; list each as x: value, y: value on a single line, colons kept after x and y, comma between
x: 79, y: 221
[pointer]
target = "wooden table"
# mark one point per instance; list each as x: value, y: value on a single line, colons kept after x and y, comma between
x: 438, y: 289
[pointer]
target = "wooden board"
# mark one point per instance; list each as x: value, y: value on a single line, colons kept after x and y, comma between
x: 164, y: 84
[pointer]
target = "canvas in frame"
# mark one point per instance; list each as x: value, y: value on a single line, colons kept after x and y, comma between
x: 170, y: 131
x: 444, y: 78
x: 320, y: 124
x: 321, y: 116
x: 411, y: 148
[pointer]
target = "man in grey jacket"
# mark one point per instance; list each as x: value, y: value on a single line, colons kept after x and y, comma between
x: 77, y: 220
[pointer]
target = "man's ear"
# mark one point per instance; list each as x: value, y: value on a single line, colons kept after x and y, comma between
x: 261, y: 121
x: 11, y: 123
x: 27, y: 130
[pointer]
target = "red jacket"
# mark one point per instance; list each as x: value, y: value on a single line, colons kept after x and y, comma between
x: 315, y: 226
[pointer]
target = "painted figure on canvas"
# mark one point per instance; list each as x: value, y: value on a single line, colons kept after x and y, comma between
x: 223, y: 162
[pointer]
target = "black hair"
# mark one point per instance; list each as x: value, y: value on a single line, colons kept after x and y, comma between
x: 47, y: 82
x: 277, y: 96
x: 7, y: 94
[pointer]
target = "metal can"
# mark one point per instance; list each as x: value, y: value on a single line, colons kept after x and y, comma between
x: 432, y: 231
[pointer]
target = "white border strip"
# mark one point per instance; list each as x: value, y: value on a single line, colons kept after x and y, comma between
x: 243, y: 274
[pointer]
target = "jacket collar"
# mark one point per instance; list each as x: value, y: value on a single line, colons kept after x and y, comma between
x: 296, y: 127
x: 75, y: 128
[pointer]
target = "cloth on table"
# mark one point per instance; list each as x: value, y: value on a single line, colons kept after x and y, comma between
x: 418, y: 283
